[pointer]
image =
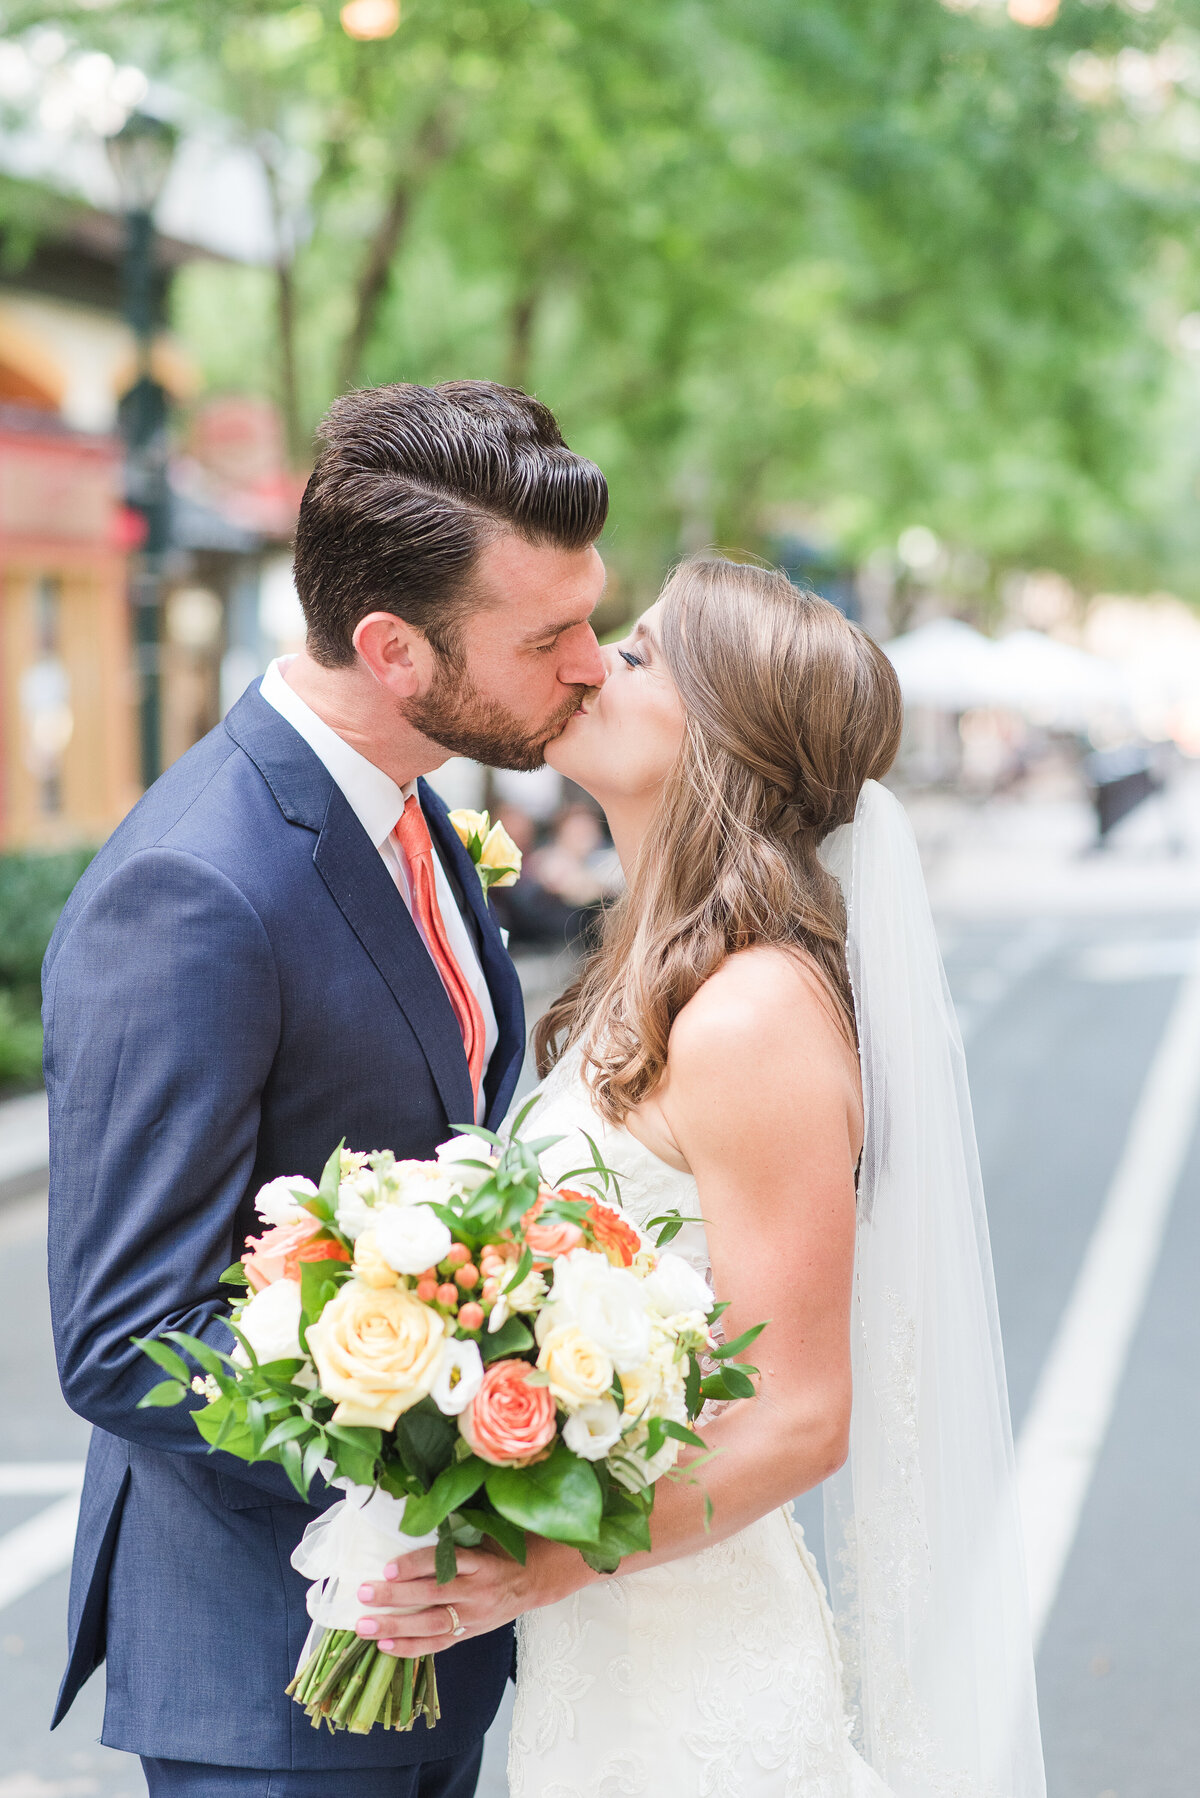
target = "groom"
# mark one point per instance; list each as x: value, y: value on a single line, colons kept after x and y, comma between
x: 286, y: 944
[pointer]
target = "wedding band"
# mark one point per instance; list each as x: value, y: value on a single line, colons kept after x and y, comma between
x: 456, y: 1628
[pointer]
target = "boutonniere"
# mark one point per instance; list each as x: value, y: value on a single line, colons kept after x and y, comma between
x: 497, y: 858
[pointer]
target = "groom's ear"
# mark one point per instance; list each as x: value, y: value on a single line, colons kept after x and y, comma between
x: 400, y: 657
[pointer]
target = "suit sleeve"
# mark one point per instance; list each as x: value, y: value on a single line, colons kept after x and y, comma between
x: 162, y: 1014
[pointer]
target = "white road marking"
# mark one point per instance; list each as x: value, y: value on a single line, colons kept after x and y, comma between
x: 37, y: 1549
x: 19, y: 1478
x: 1073, y: 1403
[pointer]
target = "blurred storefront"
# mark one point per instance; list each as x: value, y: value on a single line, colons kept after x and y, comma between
x: 69, y: 675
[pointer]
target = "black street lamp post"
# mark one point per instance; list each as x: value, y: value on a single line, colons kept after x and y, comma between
x: 141, y: 156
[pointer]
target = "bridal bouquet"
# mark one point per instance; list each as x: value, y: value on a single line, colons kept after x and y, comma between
x: 467, y: 1352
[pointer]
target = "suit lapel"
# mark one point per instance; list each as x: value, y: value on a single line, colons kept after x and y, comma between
x: 497, y: 964
x: 353, y: 870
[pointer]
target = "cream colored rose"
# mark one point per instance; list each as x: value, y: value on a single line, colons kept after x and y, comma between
x: 377, y: 1352
x: 655, y: 1389
x: 578, y: 1370
x: 369, y: 1264
x: 497, y: 849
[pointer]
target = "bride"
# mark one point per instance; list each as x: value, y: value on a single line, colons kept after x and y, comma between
x: 763, y: 1041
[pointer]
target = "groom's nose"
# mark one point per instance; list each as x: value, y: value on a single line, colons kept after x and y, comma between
x: 580, y: 662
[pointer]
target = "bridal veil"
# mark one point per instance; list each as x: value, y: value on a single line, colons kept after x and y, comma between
x: 922, y: 1530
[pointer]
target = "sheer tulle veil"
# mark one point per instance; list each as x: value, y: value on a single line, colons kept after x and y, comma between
x: 922, y: 1529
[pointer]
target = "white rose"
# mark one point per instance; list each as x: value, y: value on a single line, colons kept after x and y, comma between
x: 276, y: 1202
x: 460, y: 1149
x: 270, y: 1322
x: 356, y: 1197
x: 459, y: 1376
x: 676, y: 1286
x: 592, y: 1430
x: 411, y: 1237
x: 417, y: 1183
x: 605, y: 1302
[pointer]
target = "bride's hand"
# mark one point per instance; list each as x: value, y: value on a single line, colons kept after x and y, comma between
x: 488, y: 1590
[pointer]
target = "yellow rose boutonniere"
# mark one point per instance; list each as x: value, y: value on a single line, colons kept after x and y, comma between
x: 497, y: 858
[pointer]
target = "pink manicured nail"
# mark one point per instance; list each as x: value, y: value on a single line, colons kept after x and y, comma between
x: 387, y: 1646
x: 366, y: 1594
x: 391, y: 1571
x: 367, y: 1626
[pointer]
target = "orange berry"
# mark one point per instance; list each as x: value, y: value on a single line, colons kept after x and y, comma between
x: 467, y: 1276
x: 491, y: 1291
x: 427, y: 1289
x: 459, y: 1255
x: 471, y: 1317
x: 447, y: 1294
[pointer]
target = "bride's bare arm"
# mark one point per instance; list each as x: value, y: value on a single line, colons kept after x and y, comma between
x: 761, y: 1103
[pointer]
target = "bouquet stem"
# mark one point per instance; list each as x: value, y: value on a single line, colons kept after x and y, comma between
x: 350, y: 1684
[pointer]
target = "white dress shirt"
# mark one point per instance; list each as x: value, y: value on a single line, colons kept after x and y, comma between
x: 377, y: 803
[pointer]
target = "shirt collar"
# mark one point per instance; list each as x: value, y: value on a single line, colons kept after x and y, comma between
x: 372, y: 795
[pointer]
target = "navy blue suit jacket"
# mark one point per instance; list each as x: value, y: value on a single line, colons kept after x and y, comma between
x: 234, y: 986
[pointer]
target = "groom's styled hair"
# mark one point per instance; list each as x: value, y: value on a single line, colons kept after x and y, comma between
x: 411, y: 484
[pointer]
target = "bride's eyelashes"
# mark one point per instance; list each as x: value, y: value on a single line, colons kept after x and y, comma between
x: 633, y: 661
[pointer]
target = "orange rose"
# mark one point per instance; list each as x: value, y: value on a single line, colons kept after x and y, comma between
x: 611, y: 1234
x: 277, y: 1254
x: 548, y: 1240
x: 509, y: 1422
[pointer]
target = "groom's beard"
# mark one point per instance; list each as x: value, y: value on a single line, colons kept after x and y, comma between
x: 455, y: 714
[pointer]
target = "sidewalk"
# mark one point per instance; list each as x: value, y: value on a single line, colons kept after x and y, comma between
x: 1036, y: 856
x: 24, y: 1145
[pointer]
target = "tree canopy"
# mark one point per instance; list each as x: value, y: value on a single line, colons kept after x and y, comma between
x: 857, y: 263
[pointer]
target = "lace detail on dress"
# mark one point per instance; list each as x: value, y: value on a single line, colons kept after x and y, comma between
x: 715, y: 1676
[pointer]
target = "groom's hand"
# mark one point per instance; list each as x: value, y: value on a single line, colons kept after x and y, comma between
x: 413, y: 1613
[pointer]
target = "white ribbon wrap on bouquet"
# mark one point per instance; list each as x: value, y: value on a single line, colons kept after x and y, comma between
x: 344, y: 1547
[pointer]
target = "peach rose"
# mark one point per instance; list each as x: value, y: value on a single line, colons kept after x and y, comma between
x: 277, y: 1254
x: 553, y: 1238
x: 610, y: 1232
x: 509, y: 1422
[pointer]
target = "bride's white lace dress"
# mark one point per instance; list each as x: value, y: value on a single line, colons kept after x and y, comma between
x: 714, y: 1676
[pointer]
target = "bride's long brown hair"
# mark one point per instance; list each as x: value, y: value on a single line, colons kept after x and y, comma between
x: 788, y: 709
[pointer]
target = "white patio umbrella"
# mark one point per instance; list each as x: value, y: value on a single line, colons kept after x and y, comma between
x: 1055, y: 684
x: 945, y: 665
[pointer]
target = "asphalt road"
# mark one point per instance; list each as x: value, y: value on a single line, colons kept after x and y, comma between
x: 1063, y: 1020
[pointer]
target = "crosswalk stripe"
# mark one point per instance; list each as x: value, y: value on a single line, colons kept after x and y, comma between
x: 1069, y: 1416
x: 19, y: 1478
x: 37, y: 1548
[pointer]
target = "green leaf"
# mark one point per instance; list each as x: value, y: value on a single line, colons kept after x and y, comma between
x: 601, y: 1562
x: 625, y: 1531
x: 235, y: 1275
x: 167, y: 1392
x: 679, y: 1433
x: 223, y: 1426
x: 692, y: 1395
x: 729, y: 1349
x: 445, y: 1559
x: 519, y: 1272
x: 512, y: 1338
x: 293, y: 1466
x: 288, y: 1431
x: 449, y: 1492
x: 558, y: 1498
x: 163, y: 1357
x: 210, y: 1359
x: 314, y: 1454
x: 354, y: 1451
x: 331, y: 1176
x: 727, y: 1383
x: 319, y: 1281
x: 425, y: 1441
x: 510, y: 1538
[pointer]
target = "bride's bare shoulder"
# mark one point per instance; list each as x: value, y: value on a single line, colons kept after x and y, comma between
x: 761, y: 1030
x: 760, y: 998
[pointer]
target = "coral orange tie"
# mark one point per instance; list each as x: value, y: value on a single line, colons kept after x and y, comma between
x: 416, y: 845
